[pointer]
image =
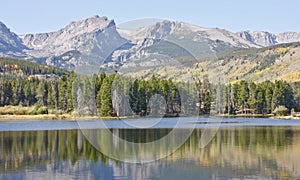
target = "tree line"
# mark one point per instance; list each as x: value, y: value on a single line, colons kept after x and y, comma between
x: 13, y: 67
x: 262, y: 98
x: 117, y: 95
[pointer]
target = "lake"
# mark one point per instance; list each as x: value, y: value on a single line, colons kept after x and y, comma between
x: 235, y: 148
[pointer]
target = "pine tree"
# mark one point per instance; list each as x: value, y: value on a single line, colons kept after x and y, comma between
x: 243, y: 94
x: 268, y: 86
x: 134, y: 97
x: 89, y: 95
x: 142, y: 97
x: 55, y: 94
x: 98, y: 85
x: 278, y: 96
x: 235, y: 93
x: 106, y: 108
x: 62, y: 93
x: 28, y: 94
x: 70, y: 105
x: 17, y: 91
x: 207, y: 99
x: 289, y: 101
x: 296, y: 92
x: 15, y: 99
x: 7, y: 93
x: 229, y: 100
x: 253, y: 96
x: 50, y: 99
x: 260, y: 100
x: 1, y: 92
x: 42, y: 94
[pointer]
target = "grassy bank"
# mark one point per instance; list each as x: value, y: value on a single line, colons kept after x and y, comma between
x: 67, y: 117
x: 21, y: 110
x: 249, y: 115
x: 40, y: 113
x: 289, y: 117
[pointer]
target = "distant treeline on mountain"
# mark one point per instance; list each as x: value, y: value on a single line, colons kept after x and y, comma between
x: 13, y: 67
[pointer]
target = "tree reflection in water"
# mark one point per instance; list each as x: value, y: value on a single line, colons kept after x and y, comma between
x: 268, y: 151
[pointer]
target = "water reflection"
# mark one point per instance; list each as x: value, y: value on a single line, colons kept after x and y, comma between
x: 253, y: 152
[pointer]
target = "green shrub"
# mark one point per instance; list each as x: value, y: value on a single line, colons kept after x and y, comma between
x: 42, y: 110
x: 39, y: 110
x: 281, y: 111
x: 20, y: 111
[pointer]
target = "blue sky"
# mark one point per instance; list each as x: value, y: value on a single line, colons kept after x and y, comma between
x: 33, y: 16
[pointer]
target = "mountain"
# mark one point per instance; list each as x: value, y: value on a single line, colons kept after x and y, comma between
x: 96, y: 43
x: 172, y: 31
x: 10, y: 44
x: 85, y: 42
x: 197, y: 40
x: 265, y: 39
x: 75, y: 36
x: 277, y: 62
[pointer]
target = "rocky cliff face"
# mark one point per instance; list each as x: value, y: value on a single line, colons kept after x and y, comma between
x: 265, y: 39
x: 288, y: 37
x: 258, y: 37
x: 10, y: 43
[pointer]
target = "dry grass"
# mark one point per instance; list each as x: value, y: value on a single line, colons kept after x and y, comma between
x: 30, y: 113
x: 16, y: 110
x: 54, y: 117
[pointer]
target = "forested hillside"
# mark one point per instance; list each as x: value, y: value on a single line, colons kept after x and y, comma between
x: 278, y: 62
x: 51, y: 90
x: 13, y: 67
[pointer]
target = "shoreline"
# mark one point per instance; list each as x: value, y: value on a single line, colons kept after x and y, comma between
x: 69, y: 117
x: 249, y: 115
x: 63, y: 117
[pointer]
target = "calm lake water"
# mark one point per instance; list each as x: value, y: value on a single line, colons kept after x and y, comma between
x: 241, y: 149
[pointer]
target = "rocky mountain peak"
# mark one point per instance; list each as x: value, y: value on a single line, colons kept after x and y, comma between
x: 89, y: 25
x: 77, y: 35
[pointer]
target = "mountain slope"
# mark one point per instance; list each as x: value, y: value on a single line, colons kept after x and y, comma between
x: 10, y: 43
x: 198, y: 41
x: 12, y: 67
x: 265, y: 39
x: 278, y: 62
